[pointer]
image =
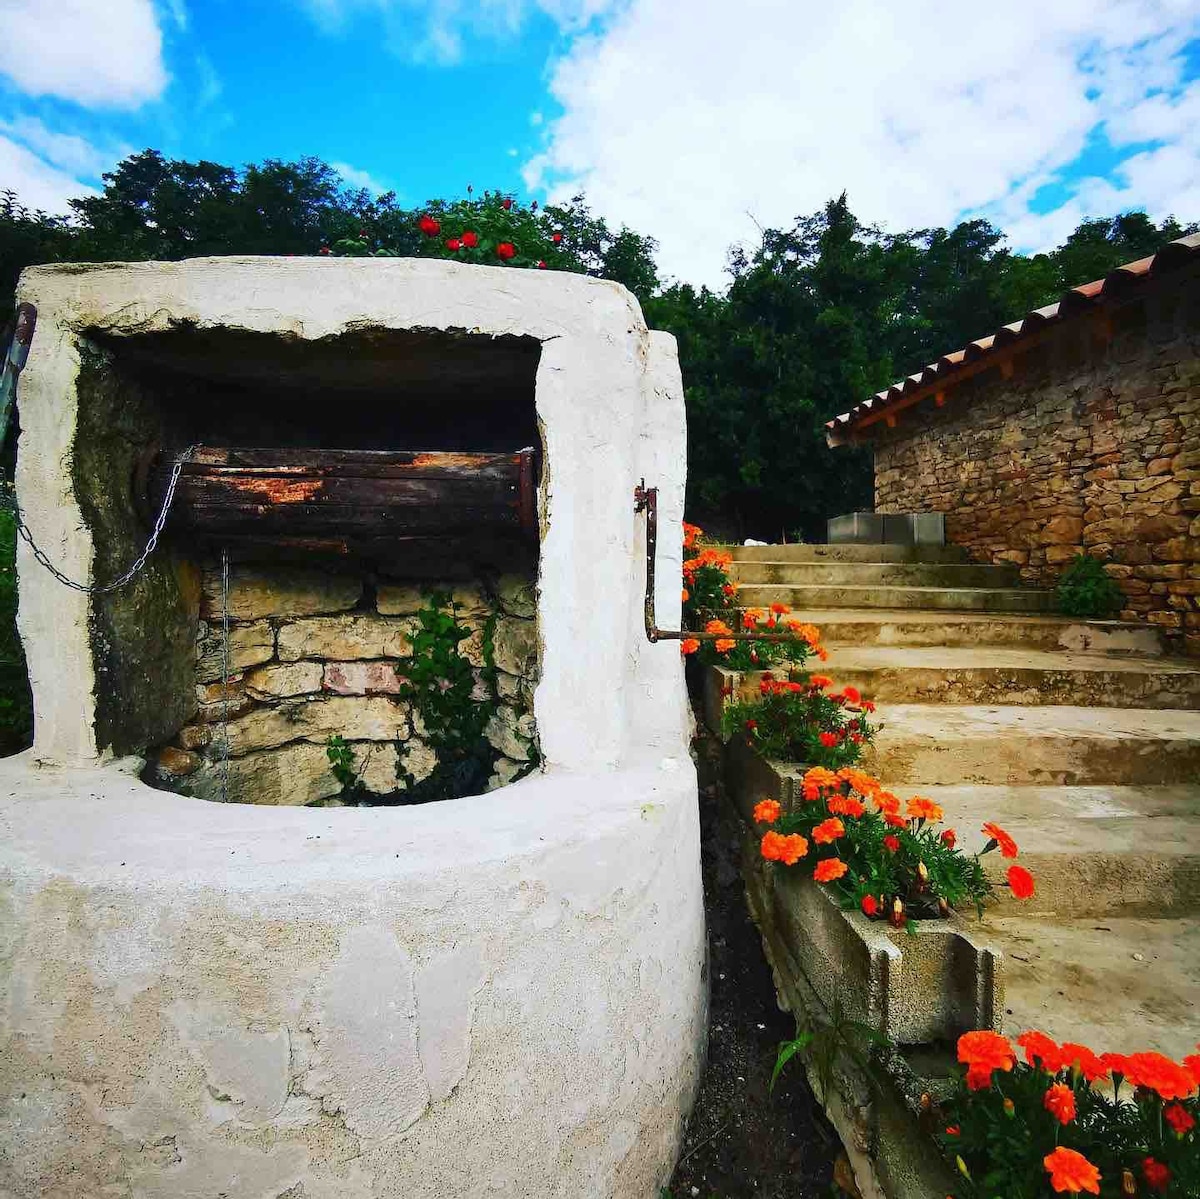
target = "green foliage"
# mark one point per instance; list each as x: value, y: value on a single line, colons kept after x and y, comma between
x: 796, y: 720
x: 1004, y: 1133
x: 1086, y: 589
x: 343, y: 764
x: 822, y: 1045
x: 16, y: 703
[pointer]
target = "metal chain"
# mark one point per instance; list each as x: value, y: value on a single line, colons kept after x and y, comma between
x: 139, y: 562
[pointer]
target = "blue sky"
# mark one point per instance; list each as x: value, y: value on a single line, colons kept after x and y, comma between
x: 691, y: 122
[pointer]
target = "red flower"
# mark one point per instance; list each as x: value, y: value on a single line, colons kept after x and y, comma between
x: 985, y: 1050
x: 751, y: 725
x: 506, y: 250
x: 453, y: 243
x: 1090, y: 1066
x: 689, y: 645
x: 891, y: 843
x: 1071, y: 1171
x: 1179, y: 1118
x: 829, y: 869
x: 541, y: 264
x: 1008, y: 847
x: 556, y: 238
x: 870, y: 905
x: 828, y: 831
x: 1041, y: 1050
x: 1157, y: 1176
x: 507, y: 202
x: 1021, y: 882
x: 851, y: 695
x: 953, y: 1131
x: 326, y: 250
x: 470, y: 238
x: 429, y: 226
x: 949, y: 838
x: 1158, y: 1073
x: 1059, y: 1101
x: 829, y: 740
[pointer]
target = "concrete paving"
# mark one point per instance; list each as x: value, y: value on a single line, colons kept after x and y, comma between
x: 881, y: 574
x: 845, y: 595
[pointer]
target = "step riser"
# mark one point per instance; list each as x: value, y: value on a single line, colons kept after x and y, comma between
x: 956, y: 600
x: 847, y: 553
x: 1026, y: 633
x: 1102, y: 884
x: 1020, y: 760
x: 1033, y: 687
x: 896, y: 574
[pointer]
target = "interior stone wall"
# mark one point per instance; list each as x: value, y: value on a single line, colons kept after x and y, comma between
x: 1092, y: 445
x: 315, y: 653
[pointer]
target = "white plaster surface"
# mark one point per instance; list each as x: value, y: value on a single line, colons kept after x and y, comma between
x: 497, y: 996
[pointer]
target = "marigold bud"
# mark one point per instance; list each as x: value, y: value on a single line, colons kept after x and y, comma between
x: 943, y: 908
x: 1128, y: 1186
x: 1010, y: 1109
x: 962, y: 1167
x: 897, y: 916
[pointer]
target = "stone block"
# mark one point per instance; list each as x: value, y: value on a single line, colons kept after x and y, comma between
x: 281, y: 680
x: 249, y: 645
x: 506, y: 771
x: 289, y: 775
x: 194, y: 736
x: 516, y: 646
x: 174, y: 763
x: 280, y: 591
x: 399, y: 599
x: 418, y: 760
x: 512, y: 733
x: 354, y: 718
x: 1056, y: 554
x: 377, y: 763
x: 216, y: 702
x: 362, y: 678
x: 349, y: 637
x: 517, y: 595
x: 1062, y: 530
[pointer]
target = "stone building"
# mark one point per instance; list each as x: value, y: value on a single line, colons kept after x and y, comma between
x: 1074, y: 429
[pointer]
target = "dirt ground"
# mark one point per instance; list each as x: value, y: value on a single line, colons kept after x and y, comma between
x: 742, y: 1141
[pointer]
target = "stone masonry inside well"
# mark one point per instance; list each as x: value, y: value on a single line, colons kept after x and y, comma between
x: 1092, y: 444
x: 320, y: 640
x: 316, y: 653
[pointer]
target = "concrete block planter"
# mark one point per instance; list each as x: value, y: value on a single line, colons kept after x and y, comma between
x: 915, y: 988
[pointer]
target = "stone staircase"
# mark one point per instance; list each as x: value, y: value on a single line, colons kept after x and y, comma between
x: 1082, y: 739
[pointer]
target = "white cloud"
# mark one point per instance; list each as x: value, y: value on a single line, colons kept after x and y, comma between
x: 36, y: 182
x: 65, y: 151
x: 438, y: 31
x: 682, y: 121
x: 358, y: 178
x: 97, y: 53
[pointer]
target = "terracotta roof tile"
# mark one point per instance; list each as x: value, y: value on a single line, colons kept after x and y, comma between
x: 1071, y: 303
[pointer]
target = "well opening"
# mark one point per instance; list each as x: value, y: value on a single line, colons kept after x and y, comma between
x: 362, y: 599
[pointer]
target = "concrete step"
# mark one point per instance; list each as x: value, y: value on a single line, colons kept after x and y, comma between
x: 990, y: 675
x: 873, y: 626
x: 942, y: 743
x: 962, y: 599
x: 846, y: 553
x: 1116, y: 985
x: 1119, y: 850
x: 875, y: 574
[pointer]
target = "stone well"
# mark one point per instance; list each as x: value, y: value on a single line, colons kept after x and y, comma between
x: 502, y: 994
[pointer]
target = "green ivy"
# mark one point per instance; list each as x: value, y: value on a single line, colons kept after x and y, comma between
x: 1086, y: 589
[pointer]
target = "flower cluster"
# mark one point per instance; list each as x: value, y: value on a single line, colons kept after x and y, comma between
x: 1038, y: 1128
x: 887, y: 858
x: 710, y: 604
x: 802, y: 719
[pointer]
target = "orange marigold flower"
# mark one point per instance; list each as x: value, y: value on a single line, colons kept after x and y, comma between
x: 851, y: 695
x: 685, y: 595
x: 1158, y: 1073
x: 885, y: 801
x: 780, y: 609
x: 828, y: 869
x: 869, y: 905
x: 892, y: 843
x: 949, y: 838
x: 766, y: 811
x: 1041, y: 1051
x: 794, y: 847
x: 1008, y: 847
x: 828, y: 831
x: 1074, y: 1056
x: 804, y: 632
x: 729, y: 589
x: 821, y: 653
x: 894, y: 820
x: 1059, y: 1101
x: 771, y: 847
x: 1071, y: 1171
x: 818, y: 682
x: 723, y: 645
x: 717, y: 626
x: 920, y: 808
x: 982, y: 1052
x: 1179, y: 1118
x: 1192, y: 1062
x: 846, y: 805
x: 863, y: 783
x: 821, y: 778
x: 689, y: 645
x: 690, y: 533
x: 1021, y: 882
x: 1118, y: 1063
x: 1157, y: 1176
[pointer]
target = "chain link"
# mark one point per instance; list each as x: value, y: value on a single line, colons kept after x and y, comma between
x: 139, y: 562
x: 224, y: 751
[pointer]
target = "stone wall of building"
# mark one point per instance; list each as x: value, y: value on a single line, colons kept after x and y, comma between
x: 315, y: 654
x: 1092, y: 444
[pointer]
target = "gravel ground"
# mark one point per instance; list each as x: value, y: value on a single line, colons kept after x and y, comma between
x: 741, y: 1140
